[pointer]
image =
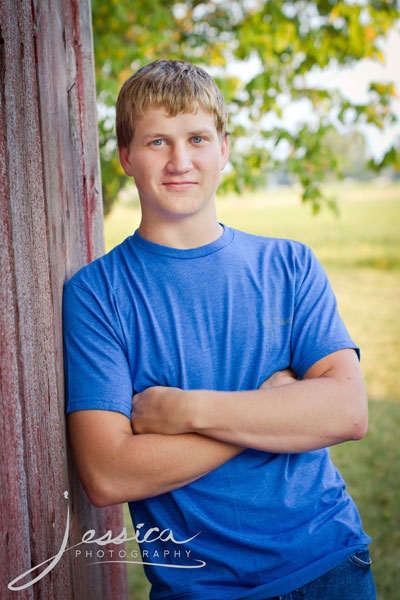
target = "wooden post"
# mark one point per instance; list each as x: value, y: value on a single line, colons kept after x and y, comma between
x: 51, y: 225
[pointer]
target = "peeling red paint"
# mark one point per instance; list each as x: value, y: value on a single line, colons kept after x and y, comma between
x: 35, y: 45
x: 90, y: 205
x: 79, y: 83
x: 33, y: 9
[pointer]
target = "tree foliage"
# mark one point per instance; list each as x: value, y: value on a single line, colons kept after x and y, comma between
x: 281, y: 42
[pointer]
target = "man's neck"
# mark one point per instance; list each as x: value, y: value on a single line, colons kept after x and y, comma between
x: 183, y: 233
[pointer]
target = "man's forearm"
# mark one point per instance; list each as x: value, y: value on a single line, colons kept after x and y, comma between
x: 116, y: 466
x: 297, y: 417
x: 160, y: 463
x: 327, y: 407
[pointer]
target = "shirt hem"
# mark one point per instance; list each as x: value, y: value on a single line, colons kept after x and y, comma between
x: 75, y: 405
x: 287, y: 584
x: 323, y: 351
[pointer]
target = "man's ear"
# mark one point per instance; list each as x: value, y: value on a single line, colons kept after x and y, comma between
x: 124, y: 159
x: 224, y: 151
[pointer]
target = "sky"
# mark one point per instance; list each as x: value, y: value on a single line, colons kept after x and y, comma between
x: 353, y: 82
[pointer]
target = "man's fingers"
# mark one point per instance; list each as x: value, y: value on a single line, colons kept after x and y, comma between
x: 279, y: 378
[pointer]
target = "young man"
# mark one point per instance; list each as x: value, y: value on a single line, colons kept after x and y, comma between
x: 240, y: 369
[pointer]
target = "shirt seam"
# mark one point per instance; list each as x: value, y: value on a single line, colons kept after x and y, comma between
x: 138, y: 244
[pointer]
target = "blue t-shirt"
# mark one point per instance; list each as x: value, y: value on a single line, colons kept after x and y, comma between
x: 224, y: 316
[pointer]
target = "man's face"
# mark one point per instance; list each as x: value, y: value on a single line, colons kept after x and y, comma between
x: 176, y: 162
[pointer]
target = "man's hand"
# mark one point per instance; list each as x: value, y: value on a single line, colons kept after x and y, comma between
x: 167, y: 410
x: 161, y: 409
x: 279, y: 378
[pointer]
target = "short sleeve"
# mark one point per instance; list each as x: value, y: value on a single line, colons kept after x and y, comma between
x: 318, y: 329
x: 97, y: 373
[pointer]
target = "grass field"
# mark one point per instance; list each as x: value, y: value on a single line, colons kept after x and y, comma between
x: 360, y: 251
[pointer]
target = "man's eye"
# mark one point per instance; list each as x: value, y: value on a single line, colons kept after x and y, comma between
x: 197, y: 139
x: 157, y: 143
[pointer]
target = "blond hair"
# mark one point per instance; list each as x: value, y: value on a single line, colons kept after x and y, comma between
x: 177, y: 86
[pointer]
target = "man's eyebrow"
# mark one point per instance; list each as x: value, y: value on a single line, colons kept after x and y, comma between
x: 197, y: 132
x: 201, y: 132
x: 155, y: 135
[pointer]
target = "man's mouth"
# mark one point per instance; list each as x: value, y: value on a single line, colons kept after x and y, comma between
x: 179, y: 184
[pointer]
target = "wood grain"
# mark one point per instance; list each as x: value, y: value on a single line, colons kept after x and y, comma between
x: 51, y: 225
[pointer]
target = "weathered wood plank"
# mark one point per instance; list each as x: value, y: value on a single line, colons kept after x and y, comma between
x: 14, y: 521
x: 51, y: 217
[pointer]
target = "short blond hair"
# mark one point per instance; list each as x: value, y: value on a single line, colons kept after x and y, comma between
x: 177, y: 86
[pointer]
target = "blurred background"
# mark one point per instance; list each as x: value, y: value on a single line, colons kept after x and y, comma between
x: 312, y: 89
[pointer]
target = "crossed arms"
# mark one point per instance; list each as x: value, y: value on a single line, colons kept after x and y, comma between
x: 177, y: 436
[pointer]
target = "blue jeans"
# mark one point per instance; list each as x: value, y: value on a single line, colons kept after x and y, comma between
x: 350, y: 580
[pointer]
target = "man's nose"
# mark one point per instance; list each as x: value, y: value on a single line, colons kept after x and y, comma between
x: 179, y: 159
